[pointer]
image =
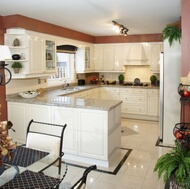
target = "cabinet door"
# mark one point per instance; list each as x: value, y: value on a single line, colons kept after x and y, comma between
x: 38, y: 113
x: 119, y: 58
x: 114, y: 93
x: 109, y: 57
x: 92, y: 134
x: 153, y: 102
x: 37, y: 64
x: 155, y: 58
x: 17, y: 114
x: 50, y: 59
x: 61, y: 115
x: 98, y: 62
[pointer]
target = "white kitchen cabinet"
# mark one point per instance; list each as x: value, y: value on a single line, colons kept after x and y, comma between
x: 104, y: 93
x: 119, y: 58
x: 34, y: 51
x: 89, y: 133
x: 134, y: 102
x: 61, y: 115
x: 155, y: 58
x: 15, y: 111
x: 26, y: 112
x: 84, y: 59
x: 50, y: 58
x: 91, y: 126
x: 114, y: 93
x: 36, y: 55
x: 99, y: 55
x: 153, y: 102
x: 109, y: 58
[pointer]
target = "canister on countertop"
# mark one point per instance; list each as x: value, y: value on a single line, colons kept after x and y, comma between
x: 81, y: 82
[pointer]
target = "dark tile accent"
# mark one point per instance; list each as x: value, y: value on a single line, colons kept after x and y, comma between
x: 128, y: 152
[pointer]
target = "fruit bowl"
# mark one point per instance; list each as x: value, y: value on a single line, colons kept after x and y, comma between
x: 181, y: 132
x: 29, y: 94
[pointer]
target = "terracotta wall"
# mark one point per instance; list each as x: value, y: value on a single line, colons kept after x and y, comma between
x: 43, y: 27
x: 185, y: 15
x: 3, y: 104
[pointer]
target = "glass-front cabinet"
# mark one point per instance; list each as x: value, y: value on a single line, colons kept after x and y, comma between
x: 50, y: 59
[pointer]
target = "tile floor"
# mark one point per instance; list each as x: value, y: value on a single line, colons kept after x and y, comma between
x: 137, y: 170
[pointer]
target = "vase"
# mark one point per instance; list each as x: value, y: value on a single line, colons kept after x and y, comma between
x: 16, y: 42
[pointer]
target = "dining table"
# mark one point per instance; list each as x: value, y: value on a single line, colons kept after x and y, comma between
x: 24, y: 170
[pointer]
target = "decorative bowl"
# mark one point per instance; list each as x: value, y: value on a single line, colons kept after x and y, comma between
x: 29, y: 94
x: 16, y: 57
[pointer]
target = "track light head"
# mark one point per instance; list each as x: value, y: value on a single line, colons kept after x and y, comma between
x: 122, y: 29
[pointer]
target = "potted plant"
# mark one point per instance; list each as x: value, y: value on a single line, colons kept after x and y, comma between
x: 175, y: 167
x: 172, y: 33
x: 121, y: 78
x: 16, y: 66
x: 153, y: 79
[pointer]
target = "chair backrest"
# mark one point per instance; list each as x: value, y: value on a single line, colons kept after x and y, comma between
x: 45, y: 136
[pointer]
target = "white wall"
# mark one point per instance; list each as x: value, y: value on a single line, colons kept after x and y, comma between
x: 172, y: 74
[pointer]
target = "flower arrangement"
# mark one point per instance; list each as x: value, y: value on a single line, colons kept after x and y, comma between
x: 6, y: 143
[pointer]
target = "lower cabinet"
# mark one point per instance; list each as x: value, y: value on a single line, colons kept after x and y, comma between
x: 153, y: 102
x: 61, y: 115
x: 88, y: 135
x: 134, y: 102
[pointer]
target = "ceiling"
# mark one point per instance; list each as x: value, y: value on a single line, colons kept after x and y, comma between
x: 94, y: 17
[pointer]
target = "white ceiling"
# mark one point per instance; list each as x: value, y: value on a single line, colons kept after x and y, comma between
x: 95, y: 17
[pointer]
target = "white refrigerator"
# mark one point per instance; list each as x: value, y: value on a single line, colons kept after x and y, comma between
x: 170, y: 73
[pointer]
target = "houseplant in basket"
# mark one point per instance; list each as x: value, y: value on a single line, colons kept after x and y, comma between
x: 16, y: 66
x: 175, y: 165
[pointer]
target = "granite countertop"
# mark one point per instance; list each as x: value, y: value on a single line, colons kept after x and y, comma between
x: 60, y: 97
x: 57, y: 96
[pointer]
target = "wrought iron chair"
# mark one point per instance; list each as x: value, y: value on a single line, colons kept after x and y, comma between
x: 46, y: 137
x: 81, y: 183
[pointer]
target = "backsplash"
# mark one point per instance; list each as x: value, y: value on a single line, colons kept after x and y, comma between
x: 132, y: 72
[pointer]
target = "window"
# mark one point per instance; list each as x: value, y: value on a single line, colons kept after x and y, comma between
x: 64, y: 67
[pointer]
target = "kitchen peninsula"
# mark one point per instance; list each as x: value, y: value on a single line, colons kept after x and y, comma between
x: 92, y: 124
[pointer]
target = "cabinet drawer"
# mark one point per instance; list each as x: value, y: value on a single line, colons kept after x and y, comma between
x: 140, y: 91
x: 134, y: 98
x: 153, y: 91
x: 133, y: 109
x: 126, y: 90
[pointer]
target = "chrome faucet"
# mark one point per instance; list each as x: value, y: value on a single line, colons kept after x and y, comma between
x: 65, y: 84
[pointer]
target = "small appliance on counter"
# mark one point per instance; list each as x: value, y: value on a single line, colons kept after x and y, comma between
x: 81, y: 81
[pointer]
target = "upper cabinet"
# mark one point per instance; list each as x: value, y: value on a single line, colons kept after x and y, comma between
x: 109, y: 58
x: 84, y: 60
x: 37, y: 55
x: 98, y: 57
x: 155, y: 49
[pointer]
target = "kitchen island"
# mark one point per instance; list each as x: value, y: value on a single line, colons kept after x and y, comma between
x: 92, y: 124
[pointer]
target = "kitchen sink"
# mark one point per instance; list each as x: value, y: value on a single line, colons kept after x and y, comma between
x: 71, y: 89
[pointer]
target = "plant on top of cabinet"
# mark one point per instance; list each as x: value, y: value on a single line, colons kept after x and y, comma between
x: 16, y: 66
x: 121, y: 78
x: 172, y: 33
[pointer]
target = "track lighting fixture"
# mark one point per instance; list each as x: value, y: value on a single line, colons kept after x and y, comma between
x: 120, y: 28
